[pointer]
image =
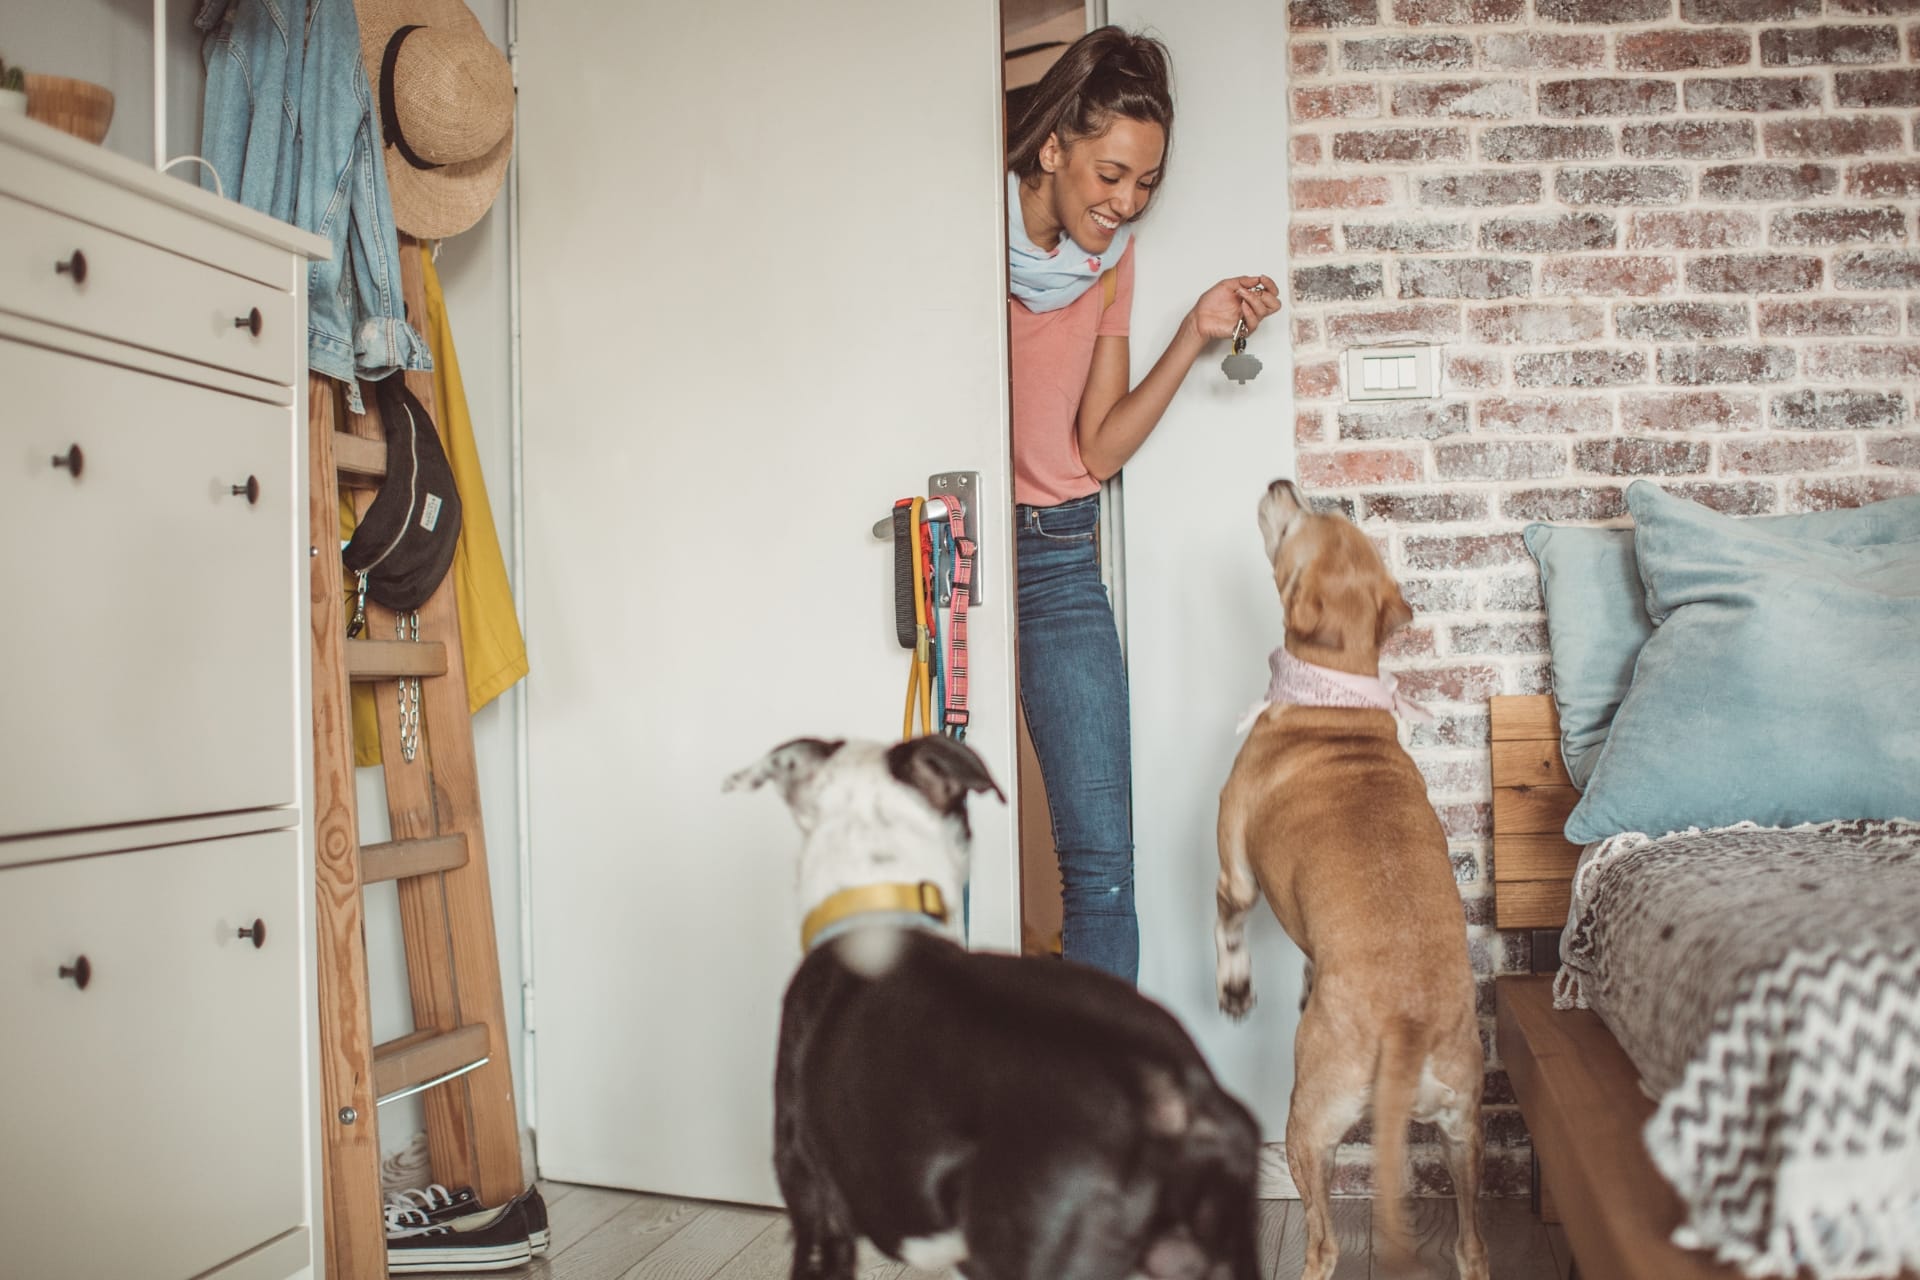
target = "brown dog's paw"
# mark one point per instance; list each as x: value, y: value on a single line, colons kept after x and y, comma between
x: 1236, y: 1000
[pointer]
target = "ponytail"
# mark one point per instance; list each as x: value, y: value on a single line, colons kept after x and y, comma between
x: 1104, y: 74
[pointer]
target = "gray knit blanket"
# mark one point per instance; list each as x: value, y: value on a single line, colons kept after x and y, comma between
x: 1766, y: 984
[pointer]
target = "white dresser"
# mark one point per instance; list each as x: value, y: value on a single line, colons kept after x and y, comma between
x: 156, y: 879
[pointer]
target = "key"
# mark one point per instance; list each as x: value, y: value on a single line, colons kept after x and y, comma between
x: 1238, y: 365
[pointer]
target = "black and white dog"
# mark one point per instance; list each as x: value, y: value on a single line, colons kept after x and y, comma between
x: 1014, y: 1118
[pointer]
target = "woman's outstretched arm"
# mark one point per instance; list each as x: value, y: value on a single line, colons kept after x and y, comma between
x: 1114, y: 422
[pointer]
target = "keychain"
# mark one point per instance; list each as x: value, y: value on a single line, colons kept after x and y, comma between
x: 1238, y: 365
x: 359, y: 622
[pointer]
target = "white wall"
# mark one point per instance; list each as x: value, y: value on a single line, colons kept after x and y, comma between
x: 110, y: 42
x: 1201, y: 609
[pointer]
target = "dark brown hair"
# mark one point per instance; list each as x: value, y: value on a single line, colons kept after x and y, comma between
x: 1105, y: 73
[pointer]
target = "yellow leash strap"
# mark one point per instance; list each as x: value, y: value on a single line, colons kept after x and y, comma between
x: 919, y: 672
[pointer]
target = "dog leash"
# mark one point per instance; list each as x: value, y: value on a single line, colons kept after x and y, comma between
x: 919, y: 681
x: 941, y: 557
x: 954, y: 715
x: 938, y: 600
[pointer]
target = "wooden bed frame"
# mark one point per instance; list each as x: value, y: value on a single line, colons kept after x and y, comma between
x: 1577, y: 1089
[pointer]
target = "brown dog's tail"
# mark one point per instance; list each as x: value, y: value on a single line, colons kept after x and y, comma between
x: 1396, y: 1077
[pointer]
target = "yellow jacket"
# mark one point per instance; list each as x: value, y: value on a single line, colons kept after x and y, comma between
x: 490, y: 639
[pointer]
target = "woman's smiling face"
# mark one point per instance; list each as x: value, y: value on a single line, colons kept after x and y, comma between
x: 1103, y: 181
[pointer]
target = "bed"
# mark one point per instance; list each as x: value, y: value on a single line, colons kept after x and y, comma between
x: 1767, y: 985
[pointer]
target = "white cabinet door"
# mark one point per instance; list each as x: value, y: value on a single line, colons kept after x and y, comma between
x: 763, y: 270
x: 155, y: 1116
x: 157, y: 594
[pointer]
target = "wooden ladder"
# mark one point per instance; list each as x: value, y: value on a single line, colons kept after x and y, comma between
x: 437, y: 855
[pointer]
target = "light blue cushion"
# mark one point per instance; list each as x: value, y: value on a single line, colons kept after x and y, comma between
x: 1597, y: 618
x: 1781, y: 683
x: 1595, y: 627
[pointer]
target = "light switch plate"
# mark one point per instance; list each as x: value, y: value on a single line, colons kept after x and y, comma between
x: 1393, y: 373
x: 964, y: 485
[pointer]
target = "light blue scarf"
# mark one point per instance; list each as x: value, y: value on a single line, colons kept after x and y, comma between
x: 1048, y: 281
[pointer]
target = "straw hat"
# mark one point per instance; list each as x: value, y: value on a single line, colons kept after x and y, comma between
x: 445, y: 98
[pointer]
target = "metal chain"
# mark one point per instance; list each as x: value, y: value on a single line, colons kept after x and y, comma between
x: 409, y: 690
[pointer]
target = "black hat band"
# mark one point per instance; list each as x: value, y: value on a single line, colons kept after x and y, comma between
x: 389, y: 113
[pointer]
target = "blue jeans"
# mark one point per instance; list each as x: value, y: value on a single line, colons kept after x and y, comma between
x: 1073, y: 689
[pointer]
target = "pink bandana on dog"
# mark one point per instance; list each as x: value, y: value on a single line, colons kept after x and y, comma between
x: 1303, y: 684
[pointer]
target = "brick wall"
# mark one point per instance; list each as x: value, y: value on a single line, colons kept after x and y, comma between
x: 1662, y: 238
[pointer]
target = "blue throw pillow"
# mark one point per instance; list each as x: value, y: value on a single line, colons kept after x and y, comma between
x: 1781, y: 683
x: 1596, y: 624
x: 1597, y: 617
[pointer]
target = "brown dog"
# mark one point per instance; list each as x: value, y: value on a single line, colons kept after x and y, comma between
x: 1326, y: 815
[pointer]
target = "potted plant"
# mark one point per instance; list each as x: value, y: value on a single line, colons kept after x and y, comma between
x: 13, y: 89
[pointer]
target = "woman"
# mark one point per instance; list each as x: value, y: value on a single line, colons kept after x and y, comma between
x: 1084, y: 157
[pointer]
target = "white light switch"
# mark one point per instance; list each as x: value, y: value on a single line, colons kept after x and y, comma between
x: 1393, y: 373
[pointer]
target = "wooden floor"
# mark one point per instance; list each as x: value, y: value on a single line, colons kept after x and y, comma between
x: 621, y: 1235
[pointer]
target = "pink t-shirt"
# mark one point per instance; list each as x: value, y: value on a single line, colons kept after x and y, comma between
x: 1052, y: 356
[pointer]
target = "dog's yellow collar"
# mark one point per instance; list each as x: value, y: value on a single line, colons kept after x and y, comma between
x: 924, y: 898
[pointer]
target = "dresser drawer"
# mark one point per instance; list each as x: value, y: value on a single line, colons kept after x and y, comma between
x: 149, y: 644
x: 154, y: 1118
x: 59, y: 270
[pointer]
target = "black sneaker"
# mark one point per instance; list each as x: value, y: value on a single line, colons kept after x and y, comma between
x: 531, y: 1203
x: 492, y: 1240
x: 423, y: 1206
x: 535, y: 1207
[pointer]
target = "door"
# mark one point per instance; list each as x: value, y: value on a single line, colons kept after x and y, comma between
x: 762, y: 264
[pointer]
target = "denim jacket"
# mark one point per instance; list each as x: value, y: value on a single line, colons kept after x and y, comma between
x: 292, y: 130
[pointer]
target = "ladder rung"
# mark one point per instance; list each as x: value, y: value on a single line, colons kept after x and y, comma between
x: 359, y: 458
x: 420, y: 1056
x: 398, y: 859
x: 390, y: 659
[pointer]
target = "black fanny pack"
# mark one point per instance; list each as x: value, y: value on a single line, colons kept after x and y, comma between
x: 405, y: 541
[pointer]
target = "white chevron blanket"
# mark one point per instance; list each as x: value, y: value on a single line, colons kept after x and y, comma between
x: 1766, y: 983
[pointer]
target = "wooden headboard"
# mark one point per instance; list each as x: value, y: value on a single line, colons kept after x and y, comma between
x: 1532, y: 796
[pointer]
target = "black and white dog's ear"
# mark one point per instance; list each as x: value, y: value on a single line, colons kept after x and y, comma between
x: 942, y: 770
x: 790, y: 764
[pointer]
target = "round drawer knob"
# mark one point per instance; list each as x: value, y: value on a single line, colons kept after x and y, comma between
x: 72, y: 460
x: 258, y: 932
x: 75, y: 266
x: 80, y: 971
x: 251, y: 322
x: 251, y: 490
